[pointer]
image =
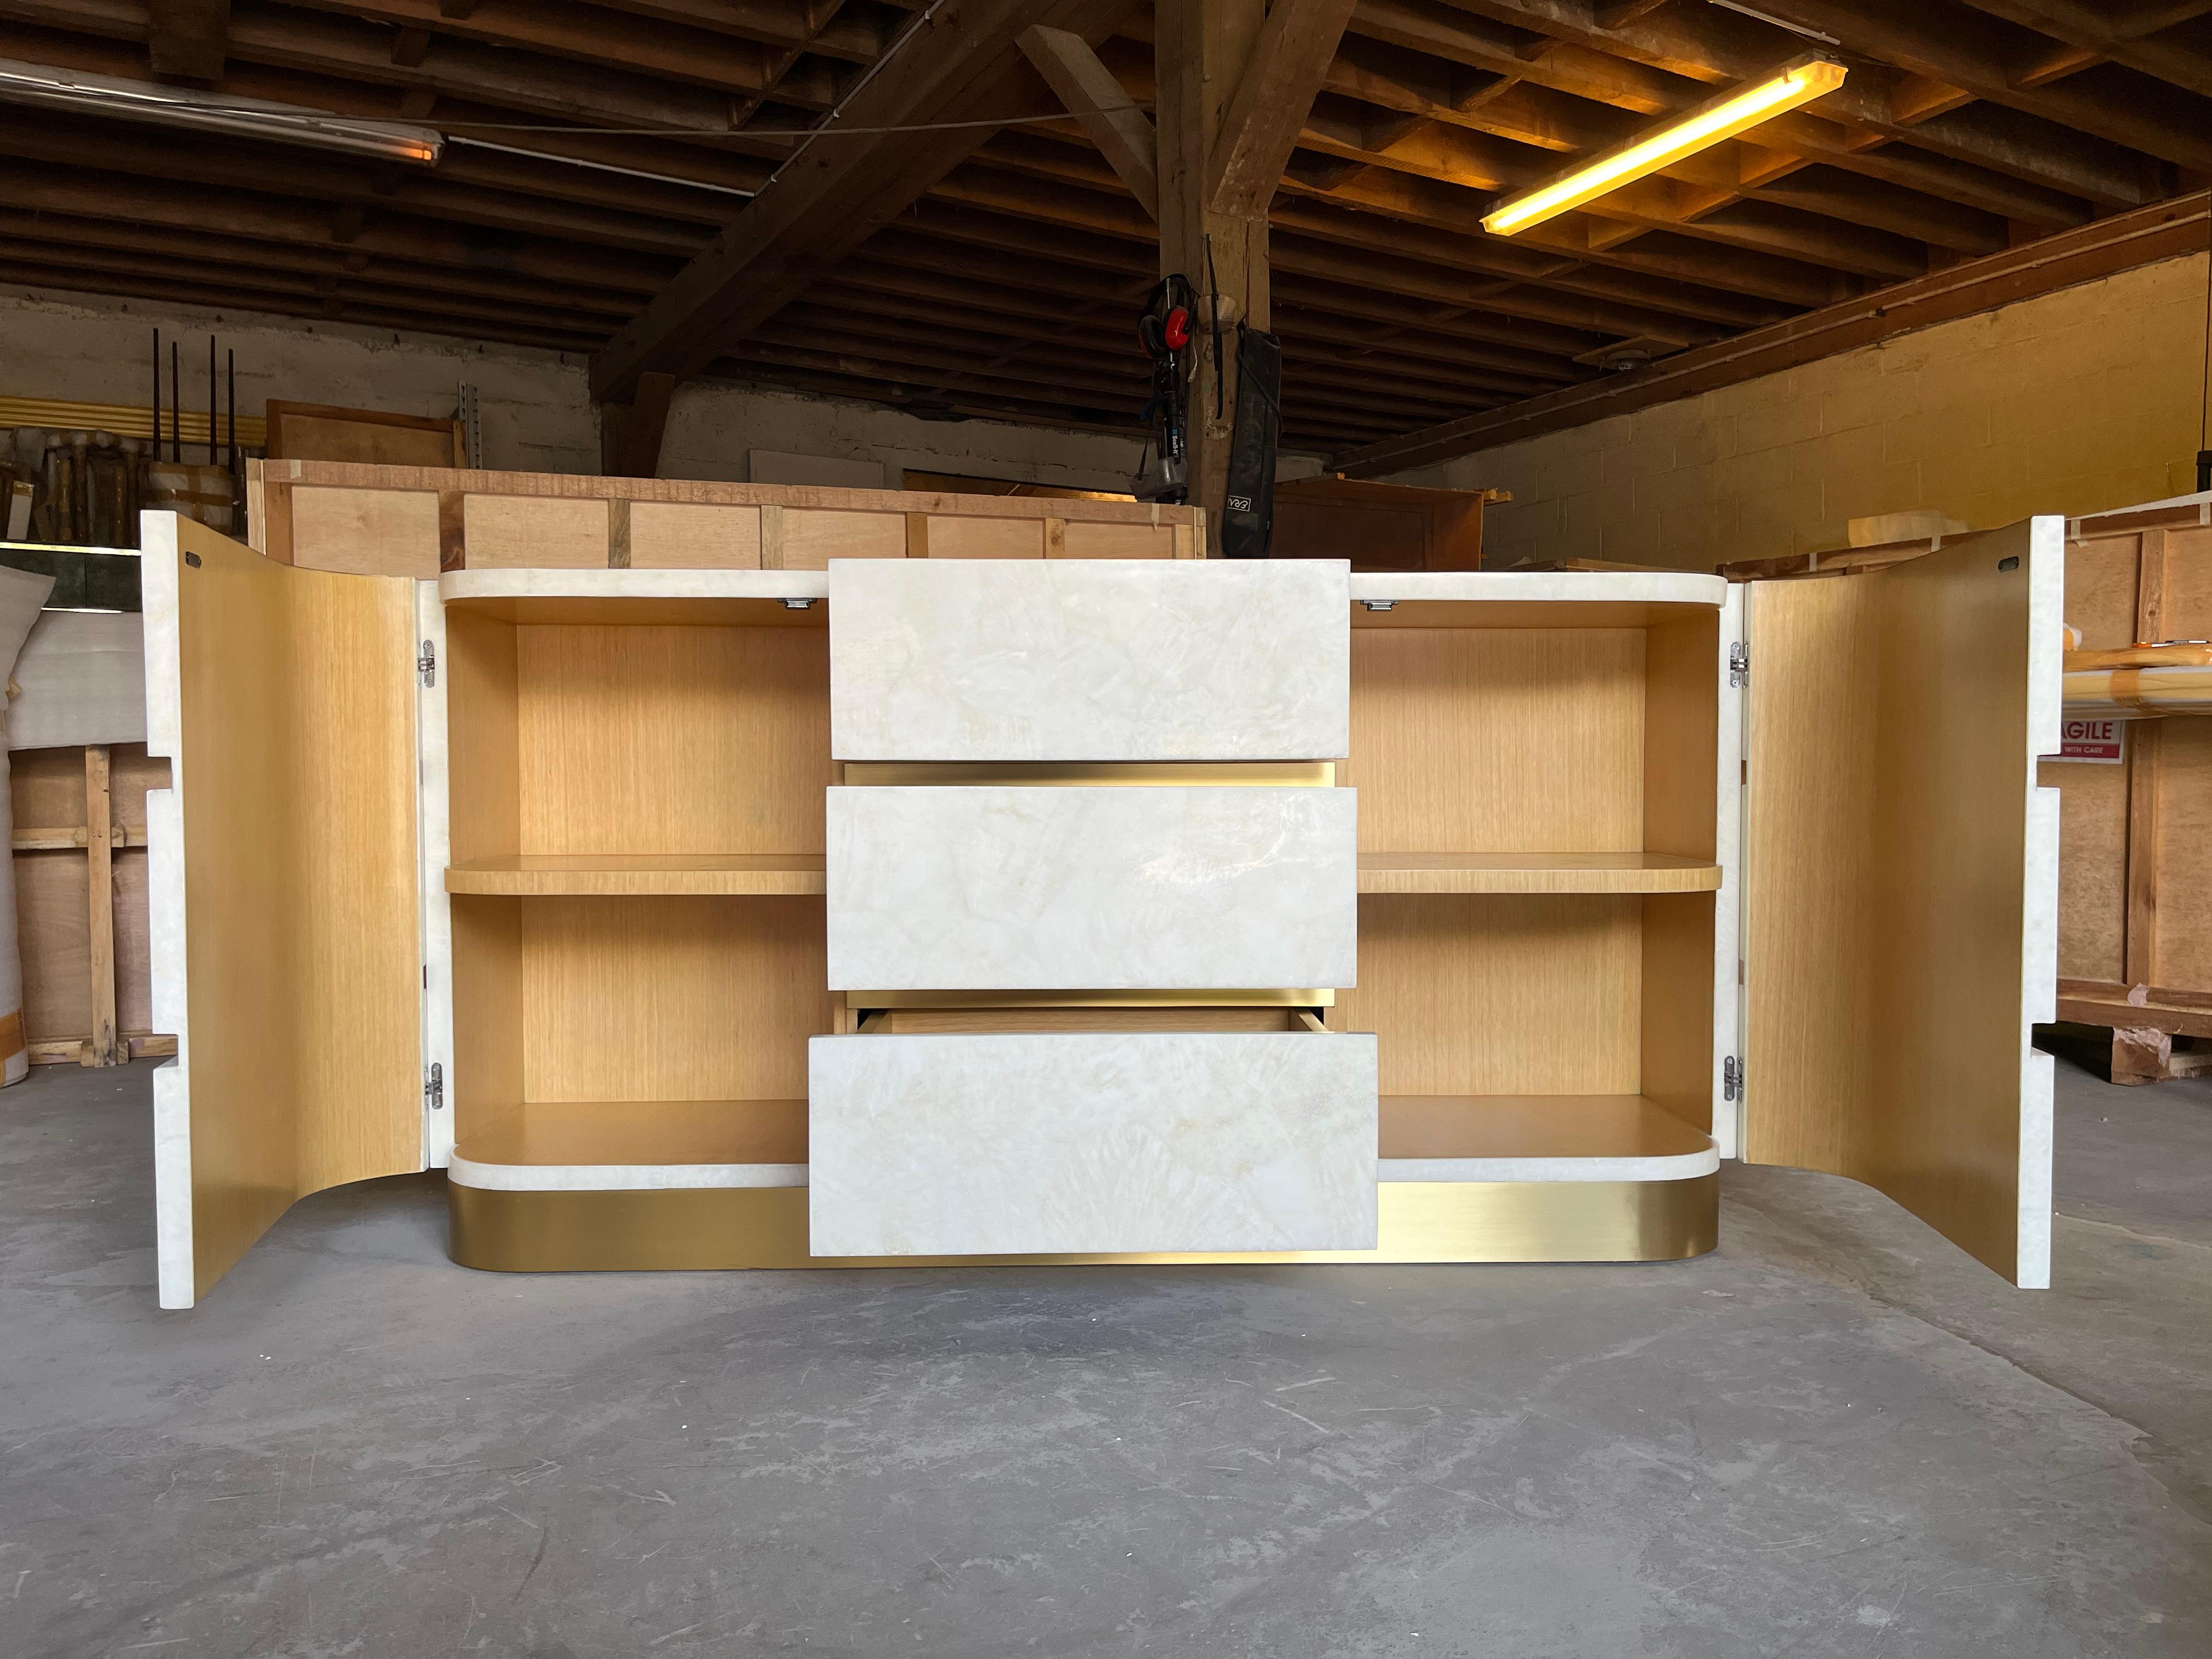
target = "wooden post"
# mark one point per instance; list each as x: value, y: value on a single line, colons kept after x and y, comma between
x: 1200, y: 49
x: 1233, y: 81
x: 100, y: 1049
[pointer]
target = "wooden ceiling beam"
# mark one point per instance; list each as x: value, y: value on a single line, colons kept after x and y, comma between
x: 2092, y: 31
x: 1296, y: 44
x: 2160, y: 232
x: 188, y: 38
x: 2156, y: 118
x: 727, y: 63
x: 240, y: 165
x: 1710, y: 45
x: 811, y: 216
x: 60, y: 230
x: 1109, y: 116
x: 850, y: 32
x: 90, y: 194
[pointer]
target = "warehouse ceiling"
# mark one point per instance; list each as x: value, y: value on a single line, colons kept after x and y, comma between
x: 1008, y: 289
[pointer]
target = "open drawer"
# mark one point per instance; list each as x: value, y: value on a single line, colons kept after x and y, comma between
x: 1115, y: 1138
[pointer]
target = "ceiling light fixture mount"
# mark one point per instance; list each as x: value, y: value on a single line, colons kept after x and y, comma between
x: 1797, y: 83
x: 182, y: 106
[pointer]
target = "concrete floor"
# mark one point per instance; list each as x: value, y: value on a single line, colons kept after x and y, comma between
x: 1835, y: 1436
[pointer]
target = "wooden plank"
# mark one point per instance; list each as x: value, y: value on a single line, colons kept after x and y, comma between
x: 505, y: 532
x: 671, y: 999
x: 1109, y: 117
x: 666, y: 740
x: 372, y: 436
x: 1457, y: 735
x: 287, y: 698
x: 677, y: 536
x: 962, y: 538
x: 381, y: 532
x: 1516, y: 995
x: 2179, y: 878
x: 814, y: 536
x: 1896, y: 934
x: 99, y: 1048
x: 2140, y: 963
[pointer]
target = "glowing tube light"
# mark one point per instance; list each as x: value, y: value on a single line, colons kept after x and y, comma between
x: 1794, y: 84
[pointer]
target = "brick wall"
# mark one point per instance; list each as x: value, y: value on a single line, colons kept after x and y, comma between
x: 2069, y: 403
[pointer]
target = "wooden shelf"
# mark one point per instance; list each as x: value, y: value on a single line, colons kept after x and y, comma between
x: 627, y: 1145
x: 551, y: 875
x: 1539, y: 1137
x: 1535, y: 872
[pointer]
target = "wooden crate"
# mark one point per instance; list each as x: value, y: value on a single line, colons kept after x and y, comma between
x: 416, y: 521
x: 81, y: 908
x: 1380, y: 527
x: 2134, y: 873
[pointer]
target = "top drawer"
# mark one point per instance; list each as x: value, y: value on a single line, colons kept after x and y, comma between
x: 1078, y: 660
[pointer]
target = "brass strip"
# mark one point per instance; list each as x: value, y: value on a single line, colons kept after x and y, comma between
x: 1282, y: 774
x: 1201, y: 999
x: 765, y: 1227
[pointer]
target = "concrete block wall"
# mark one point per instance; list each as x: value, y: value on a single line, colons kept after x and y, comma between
x: 2072, y: 402
x: 535, y: 406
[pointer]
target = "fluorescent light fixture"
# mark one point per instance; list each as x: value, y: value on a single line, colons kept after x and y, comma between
x: 181, y: 107
x: 1799, y: 81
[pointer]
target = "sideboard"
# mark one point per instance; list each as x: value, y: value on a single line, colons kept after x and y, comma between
x: 958, y: 911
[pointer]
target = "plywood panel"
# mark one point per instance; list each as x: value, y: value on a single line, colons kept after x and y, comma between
x: 487, y: 1082
x: 672, y: 739
x: 2182, y: 955
x: 811, y: 537
x: 1116, y: 541
x: 2186, y: 612
x: 1681, y: 734
x: 2092, y: 870
x: 954, y: 538
x: 52, y: 933
x: 2100, y: 590
x: 287, y: 699
x: 1900, y: 871
x: 1500, y: 996
x: 376, y: 437
x: 391, y: 532
x: 1676, y: 1053
x: 1481, y: 740
x: 506, y: 531
x: 482, y: 736
x: 673, y: 535
x: 671, y: 999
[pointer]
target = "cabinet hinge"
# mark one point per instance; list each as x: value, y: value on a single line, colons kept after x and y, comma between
x: 434, y: 1088
x: 1732, y: 1078
x: 1739, y: 664
x: 426, y: 663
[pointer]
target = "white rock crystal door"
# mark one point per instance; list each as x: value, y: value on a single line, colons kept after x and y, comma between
x: 1115, y: 1142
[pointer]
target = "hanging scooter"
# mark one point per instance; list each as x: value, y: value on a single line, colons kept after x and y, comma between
x: 1164, y: 331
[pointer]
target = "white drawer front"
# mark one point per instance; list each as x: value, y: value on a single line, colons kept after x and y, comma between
x: 1103, y: 660
x: 1033, y: 1145
x: 995, y: 888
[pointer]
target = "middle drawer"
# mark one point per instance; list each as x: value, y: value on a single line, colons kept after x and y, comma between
x: 1025, y: 888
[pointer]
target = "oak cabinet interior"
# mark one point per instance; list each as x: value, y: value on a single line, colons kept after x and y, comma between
x: 648, y: 792
x: 577, y: 847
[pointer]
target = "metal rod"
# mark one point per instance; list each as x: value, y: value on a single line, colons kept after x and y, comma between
x: 230, y: 369
x: 157, y: 394
x: 210, y: 400
x: 176, y: 408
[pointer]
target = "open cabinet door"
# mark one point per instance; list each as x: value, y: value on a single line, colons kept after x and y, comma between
x: 1901, y: 884
x: 283, y: 876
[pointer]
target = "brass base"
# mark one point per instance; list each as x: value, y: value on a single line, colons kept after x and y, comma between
x: 725, y: 1227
